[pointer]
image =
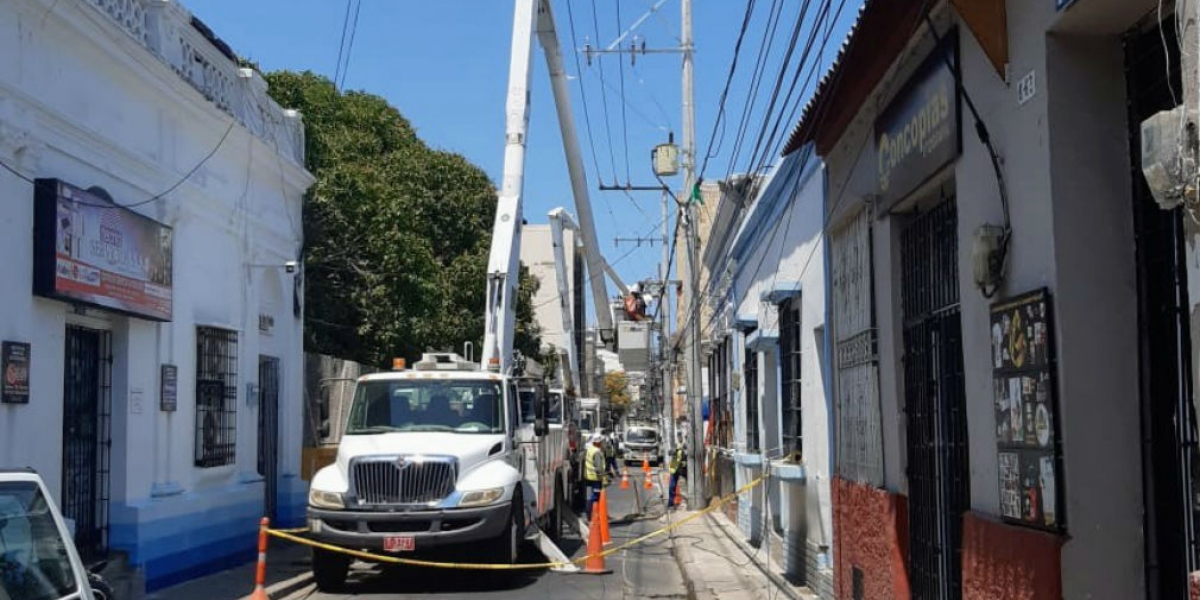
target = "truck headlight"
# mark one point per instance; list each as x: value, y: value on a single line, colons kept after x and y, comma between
x: 321, y: 499
x: 481, y: 497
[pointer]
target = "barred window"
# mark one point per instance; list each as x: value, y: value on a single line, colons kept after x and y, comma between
x: 720, y: 414
x: 216, y: 396
x: 750, y: 376
x: 790, y: 355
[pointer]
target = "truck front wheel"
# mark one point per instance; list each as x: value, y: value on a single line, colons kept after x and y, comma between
x: 329, y: 570
x: 507, y: 548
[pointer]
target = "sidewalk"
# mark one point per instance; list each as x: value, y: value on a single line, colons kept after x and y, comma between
x: 287, y: 570
x: 719, y: 565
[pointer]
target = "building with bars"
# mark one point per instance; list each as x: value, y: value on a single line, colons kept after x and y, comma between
x: 765, y: 347
x: 1027, y: 436
x: 152, y: 321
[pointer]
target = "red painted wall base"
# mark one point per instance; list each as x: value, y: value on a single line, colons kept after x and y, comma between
x: 871, y: 529
x: 1004, y: 562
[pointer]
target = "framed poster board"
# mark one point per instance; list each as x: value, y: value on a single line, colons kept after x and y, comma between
x: 1026, y: 407
x: 14, y: 372
x: 169, y: 388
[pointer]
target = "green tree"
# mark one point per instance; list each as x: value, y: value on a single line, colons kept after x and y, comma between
x: 616, y: 386
x: 396, y: 234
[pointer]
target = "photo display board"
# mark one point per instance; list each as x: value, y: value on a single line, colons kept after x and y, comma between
x: 1026, y: 407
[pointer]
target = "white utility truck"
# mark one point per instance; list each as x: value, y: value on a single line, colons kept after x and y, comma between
x: 38, y: 560
x: 642, y: 443
x: 442, y: 455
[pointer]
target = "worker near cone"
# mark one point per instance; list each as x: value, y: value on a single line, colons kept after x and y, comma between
x: 678, y: 468
x: 594, y: 471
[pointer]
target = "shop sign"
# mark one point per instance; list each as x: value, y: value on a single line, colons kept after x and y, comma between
x: 918, y: 133
x: 89, y: 250
x: 1026, y: 408
x: 168, y: 393
x: 14, y: 372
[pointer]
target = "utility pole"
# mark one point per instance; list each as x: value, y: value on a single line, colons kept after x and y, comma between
x: 694, y: 387
x: 664, y: 337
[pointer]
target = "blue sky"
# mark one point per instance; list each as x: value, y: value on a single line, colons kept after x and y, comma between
x: 444, y: 64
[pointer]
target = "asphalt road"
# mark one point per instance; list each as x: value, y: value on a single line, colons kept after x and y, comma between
x: 648, y: 570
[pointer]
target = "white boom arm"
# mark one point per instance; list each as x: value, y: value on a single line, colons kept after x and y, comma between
x: 596, y: 266
x: 504, y: 261
x: 559, y: 220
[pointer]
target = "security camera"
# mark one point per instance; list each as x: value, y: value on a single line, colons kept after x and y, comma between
x: 291, y: 266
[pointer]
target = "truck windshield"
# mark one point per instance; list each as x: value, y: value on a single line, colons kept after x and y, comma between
x: 33, y: 555
x: 438, y: 405
x: 641, y: 436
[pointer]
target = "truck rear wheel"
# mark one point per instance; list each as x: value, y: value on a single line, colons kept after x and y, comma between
x: 555, y: 520
x: 329, y: 570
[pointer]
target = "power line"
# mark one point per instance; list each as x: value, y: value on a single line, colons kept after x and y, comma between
x: 624, y: 103
x: 587, y: 118
x: 737, y: 50
x: 755, y: 81
x: 337, y: 70
x: 603, y: 97
x: 158, y: 196
x: 350, y: 46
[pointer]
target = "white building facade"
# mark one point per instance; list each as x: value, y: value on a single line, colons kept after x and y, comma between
x: 767, y: 359
x: 152, y: 322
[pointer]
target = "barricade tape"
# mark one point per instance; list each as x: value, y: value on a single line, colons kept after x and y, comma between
x: 290, y: 535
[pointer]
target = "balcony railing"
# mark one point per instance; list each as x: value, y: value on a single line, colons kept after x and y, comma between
x: 169, y: 32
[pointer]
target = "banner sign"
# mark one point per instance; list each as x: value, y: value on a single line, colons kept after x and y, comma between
x: 1027, y: 440
x: 88, y: 249
x: 14, y: 372
x: 918, y: 132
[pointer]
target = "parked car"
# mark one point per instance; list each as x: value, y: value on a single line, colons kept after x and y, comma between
x: 38, y: 559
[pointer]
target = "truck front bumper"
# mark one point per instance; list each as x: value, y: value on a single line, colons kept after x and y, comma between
x: 366, y: 530
x: 640, y: 454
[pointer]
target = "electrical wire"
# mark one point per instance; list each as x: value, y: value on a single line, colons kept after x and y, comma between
x: 155, y: 197
x: 337, y: 70
x: 720, y: 119
x: 350, y: 45
x: 624, y: 102
x: 587, y: 118
x: 603, y: 97
x: 755, y: 80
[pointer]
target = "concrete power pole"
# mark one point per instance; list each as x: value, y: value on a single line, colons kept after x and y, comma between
x: 692, y: 280
x: 664, y: 332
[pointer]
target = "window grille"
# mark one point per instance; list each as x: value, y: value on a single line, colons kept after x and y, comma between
x: 216, y: 396
x: 750, y: 376
x: 790, y: 359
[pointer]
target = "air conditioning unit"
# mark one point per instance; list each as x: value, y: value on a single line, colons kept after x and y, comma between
x: 1169, y: 157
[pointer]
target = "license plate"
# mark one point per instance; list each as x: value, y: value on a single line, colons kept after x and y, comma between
x: 399, y: 543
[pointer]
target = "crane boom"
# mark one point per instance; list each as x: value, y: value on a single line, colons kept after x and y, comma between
x: 560, y: 220
x: 504, y: 260
x: 596, y: 266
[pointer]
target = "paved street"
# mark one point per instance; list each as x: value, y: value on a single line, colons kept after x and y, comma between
x: 647, y: 570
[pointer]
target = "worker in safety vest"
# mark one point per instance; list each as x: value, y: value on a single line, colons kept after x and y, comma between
x: 678, y: 468
x: 610, y: 454
x: 593, y: 471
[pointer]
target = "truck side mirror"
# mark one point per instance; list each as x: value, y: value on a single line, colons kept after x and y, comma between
x: 541, y: 411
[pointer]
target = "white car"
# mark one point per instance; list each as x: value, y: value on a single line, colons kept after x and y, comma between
x: 38, y: 560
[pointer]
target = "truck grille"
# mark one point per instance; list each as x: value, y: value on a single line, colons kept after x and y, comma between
x: 402, y: 479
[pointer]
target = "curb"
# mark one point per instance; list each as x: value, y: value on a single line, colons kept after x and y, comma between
x: 788, y: 588
x: 289, y: 587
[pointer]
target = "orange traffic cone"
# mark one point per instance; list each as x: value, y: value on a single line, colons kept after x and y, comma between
x: 649, y: 481
x: 595, y: 550
x: 603, y: 518
x: 645, y: 465
x: 625, y: 479
x: 260, y: 574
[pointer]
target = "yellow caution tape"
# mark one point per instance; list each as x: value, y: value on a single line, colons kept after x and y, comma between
x: 290, y: 535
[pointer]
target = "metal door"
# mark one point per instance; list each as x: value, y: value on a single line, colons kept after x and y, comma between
x: 935, y: 404
x: 1169, y: 438
x: 87, y: 437
x: 268, y: 431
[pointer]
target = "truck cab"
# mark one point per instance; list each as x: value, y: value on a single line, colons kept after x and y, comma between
x: 38, y: 560
x: 642, y: 443
x: 441, y: 457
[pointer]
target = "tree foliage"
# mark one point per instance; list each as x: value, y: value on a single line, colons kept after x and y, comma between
x: 616, y: 386
x: 396, y: 233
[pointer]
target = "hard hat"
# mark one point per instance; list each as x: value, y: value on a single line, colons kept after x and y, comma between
x: 596, y: 438
x: 635, y: 288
